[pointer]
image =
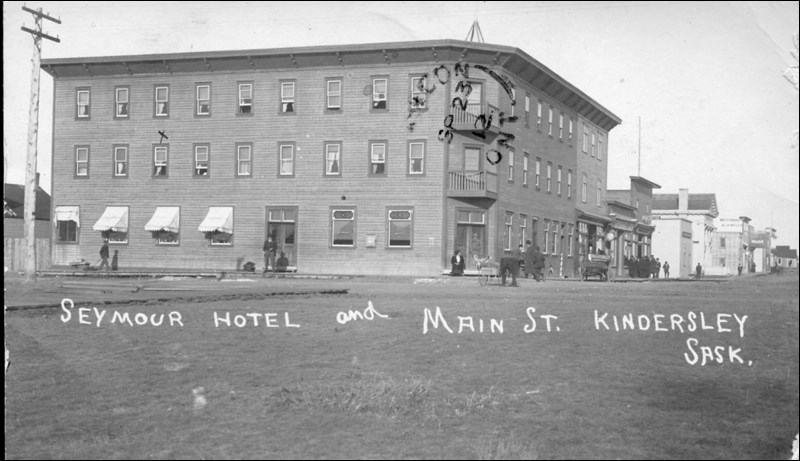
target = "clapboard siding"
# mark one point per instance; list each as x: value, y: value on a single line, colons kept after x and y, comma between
x: 309, y: 190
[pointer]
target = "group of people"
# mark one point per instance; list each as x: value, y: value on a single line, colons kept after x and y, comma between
x: 270, y: 249
x: 531, y: 257
x: 104, y: 257
x: 646, y: 267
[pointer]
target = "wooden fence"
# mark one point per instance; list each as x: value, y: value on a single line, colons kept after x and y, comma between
x: 14, y: 252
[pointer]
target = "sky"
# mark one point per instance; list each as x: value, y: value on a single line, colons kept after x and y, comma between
x: 705, y: 78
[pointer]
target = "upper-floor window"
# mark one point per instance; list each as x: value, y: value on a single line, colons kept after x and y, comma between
x: 594, y: 145
x: 333, y: 94
x: 599, y: 192
x: 82, y: 109
x: 584, y: 186
x: 538, y: 172
x: 416, y: 158
x: 286, y: 159
x: 333, y: 159
x: 418, y: 93
x: 203, y: 99
x: 287, y: 97
x: 377, y: 159
x: 571, y: 125
x: 245, y: 98
x: 527, y: 109
x: 550, y: 121
x: 120, y: 161
x: 560, y: 126
x: 539, y: 115
x: 511, y: 166
x: 569, y: 183
x: 380, y: 92
x: 525, y: 160
x: 558, y: 180
x: 82, y: 161
x: 121, y: 104
x: 722, y: 242
x: 244, y: 160
x: 513, y: 101
x: 201, y: 160
x: 160, y: 160
x: 585, y: 140
x: 162, y: 101
x: 549, y: 176
x: 599, y: 147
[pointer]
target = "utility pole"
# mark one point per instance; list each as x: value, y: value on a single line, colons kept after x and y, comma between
x: 33, y: 135
x: 639, y: 164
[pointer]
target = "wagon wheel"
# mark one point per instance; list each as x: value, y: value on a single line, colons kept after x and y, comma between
x: 610, y: 275
x: 483, y: 279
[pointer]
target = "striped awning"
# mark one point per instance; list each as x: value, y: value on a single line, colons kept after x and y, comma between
x: 165, y: 218
x: 68, y: 213
x: 115, y: 218
x: 219, y: 218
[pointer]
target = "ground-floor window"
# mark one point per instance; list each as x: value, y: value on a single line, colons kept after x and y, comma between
x: 67, y: 220
x: 401, y: 227
x: 343, y: 227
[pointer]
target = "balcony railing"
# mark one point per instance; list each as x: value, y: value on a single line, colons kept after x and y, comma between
x: 475, y: 117
x: 472, y: 184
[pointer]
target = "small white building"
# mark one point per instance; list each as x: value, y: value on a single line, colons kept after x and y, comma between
x: 700, y: 210
x: 672, y: 242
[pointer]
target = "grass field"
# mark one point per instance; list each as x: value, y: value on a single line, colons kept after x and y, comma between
x: 382, y: 388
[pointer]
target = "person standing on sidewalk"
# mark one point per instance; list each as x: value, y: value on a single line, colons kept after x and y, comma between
x: 270, y: 247
x: 104, y: 256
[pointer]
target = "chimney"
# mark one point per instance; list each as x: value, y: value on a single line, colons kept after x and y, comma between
x: 683, y: 199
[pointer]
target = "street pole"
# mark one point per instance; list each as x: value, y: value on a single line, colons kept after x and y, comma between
x: 33, y: 135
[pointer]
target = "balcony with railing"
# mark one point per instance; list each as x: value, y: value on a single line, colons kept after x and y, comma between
x: 472, y: 184
x: 477, y: 118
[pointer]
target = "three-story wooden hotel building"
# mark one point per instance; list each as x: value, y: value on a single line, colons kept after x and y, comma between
x: 357, y: 159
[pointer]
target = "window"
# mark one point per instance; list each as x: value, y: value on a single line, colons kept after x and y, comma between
x: 401, y: 226
x: 418, y: 93
x: 67, y: 223
x: 162, y: 101
x: 343, y: 228
x: 525, y: 160
x: 538, y: 172
x: 599, y: 192
x: 599, y: 147
x: 82, y: 109
x: 583, y: 188
x: 82, y: 161
x: 546, y: 236
x: 201, y: 160
x: 244, y: 160
x: 333, y: 160
x: 165, y: 225
x: 377, y: 159
x: 245, y: 98
x: 218, y: 226
x: 523, y: 231
x: 160, y: 154
x: 594, y: 146
x: 513, y: 101
x: 722, y: 242
x: 113, y: 224
x: 571, y: 123
x: 120, y: 161
x: 585, y: 140
x: 535, y: 231
x: 416, y: 158
x: 550, y: 121
x: 527, y: 109
x: 121, y: 104
x: 380, y: 89
x: 287, y: 97
x: 539, y: 115
x: 558, y: 180
x: 509, y: 229
x: 286, y: 159
x: 569, y: 183
x: 560, y: 127
x: 203, y: 99
x: 333, y: 95
x: 510, y: 166
x: 549, y: 176
x: 555, y: 234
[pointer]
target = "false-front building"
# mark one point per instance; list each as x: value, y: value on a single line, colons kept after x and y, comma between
x: 357, y: 159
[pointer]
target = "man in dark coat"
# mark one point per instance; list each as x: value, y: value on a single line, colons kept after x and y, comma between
x: 104, y: 255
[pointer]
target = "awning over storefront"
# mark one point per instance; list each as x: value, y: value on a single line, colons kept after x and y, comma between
x: 644, y: 229
x: 68, y: 213
x: 620, y: 223
x: 219, y: 218
x: 166, y: 218
x: 115, y: 218
x: 591, y: 218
